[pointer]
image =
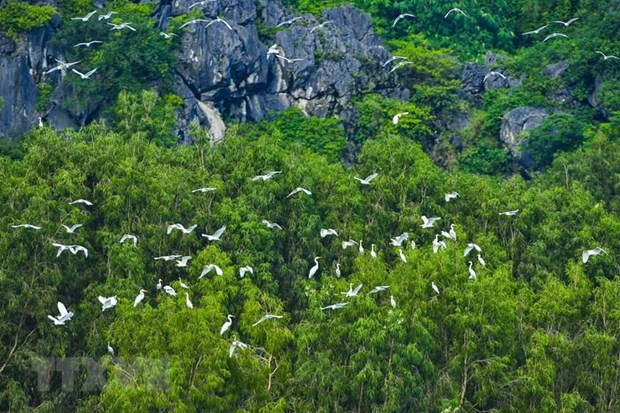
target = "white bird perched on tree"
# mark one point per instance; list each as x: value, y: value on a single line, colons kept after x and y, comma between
x: 566, y: 23
x: 267, y: 176
x: 167, y: 35
x: 226, y: 324
x: 338, y: 273
x: 605, y: 57
x: 183, y: 261
x: 107, y: 302
x: 391, y: 59
x: 396, y: 118
x: 314, y: 268
x: 472, y: 273
x: 299, y: 189
x: 585, y: 256
x: 510, y: 213
x: 107, y: 16
x: 86, y: 75
x: 131, y: 237
x: 347, y: 244
x: 450, y: 234
x: 352, y: 291
x: 451, y: 195
x: 265, y: 318
x: 81, y: 201
x: 366, y: 181
x: 206, y: 189
x: 85, y: 18
x: 180, y: 228
x: 412, y: 244
x: 139, y: 298
x: 216, y: 235
x: 329, y: 231
x: 188, y: 302
x: 271, y: 225
x: 219, y: 20
x: 552, y: 35
x: 392, y: 301
x: 373, y: 253
x: 88, y: 44
x: 290, y: 21
x: 63, y: 317
x: 536, y: 31
x: 182, y: 284
x: 398, y: 241
x: 469, y: 247
x: 438, y: 244
x: 493, y: 73
x: 320, y: 26
x: 457, y: 10
x: 481, y: 261
x: 402, y: 256
x: 71, y: 229
x: 244, y: 270
x: 208, y: 268
x: 235, y: 345
x: 434, y: 287
x: 28, y: 226
x: 110, y: 349
x: 334, y: 306
x: 160, y: 284
x: 379, y: 288
x: 361, y: 247
x: 168, y: 257
x: 429, y: 222
x: 170, y: 291
x: 400, y: 17
x: 122, y: 26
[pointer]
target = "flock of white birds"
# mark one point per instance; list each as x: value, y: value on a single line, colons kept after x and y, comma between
x: 182, y: 261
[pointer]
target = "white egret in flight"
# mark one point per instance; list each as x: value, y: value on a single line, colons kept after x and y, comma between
x: 451, y: 195
x: 84, y: 76
x: 130, y: 237
x: 271, y: 225
x: 217, y: 235
x: 121, y: 26
x: 605, y: 57
x: 193, y: 21
x: 352, y: 291
x: 429, y: 222
x: 493, y: 73
x: 400, y: 17
x: 167, y: 35
x: 314, y: 268
x: 286, y: 59
x: 379, y: 288
x: 167, y: 257
x: 180, y: 228
x: 81, y: 201
x: 347, y: 244
x: 139, y: 298
x: 106, y: 16
x: 183, y: 261
x: 200, y: 3
x: 320, y: 26
x: 398, y: 241
x: 398, y: 66
x: 219, y: 20
x: 536, y: 31
x: 203, y: 190
x: 63, y: 317
x: 391, y: 59
x: 438, y: 244
x: 226, y: 325
x: 552, y: 35
x: 29, y: 226
x: 107, y: 302
x: 366, y: 181
x: 85, y: 18
x: 267, y: 176
x: 290, y: 21
x: 470, y: 247
x: 88, y: 44
x: 62, y: 66
x: 329, y: 231
x: 208, y: 268
x: 510, y: 213
x: 567, y: 23
x: 235, y: 345
x: 265, y: 318
x: 334, y: 306
x: 245, y: 269
x: 299, y: 189
x: 456, y: 9
x: 585, y: 256
x: 71, y: 229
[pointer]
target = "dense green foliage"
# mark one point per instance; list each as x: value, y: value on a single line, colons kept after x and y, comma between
x: 537, y: 331
x: 17, y: 17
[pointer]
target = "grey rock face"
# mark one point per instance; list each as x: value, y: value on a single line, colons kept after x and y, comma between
x: 517, y: 121
x: 18, y: 95
x: 555, y: 70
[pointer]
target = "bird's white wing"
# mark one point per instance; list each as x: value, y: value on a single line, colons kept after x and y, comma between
x: 371, y: 177
x: 220, y: 231
x: 357, y: 289
x: 62, y: 309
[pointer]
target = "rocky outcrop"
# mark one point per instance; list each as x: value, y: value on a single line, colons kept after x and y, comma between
x: 517, y: 121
